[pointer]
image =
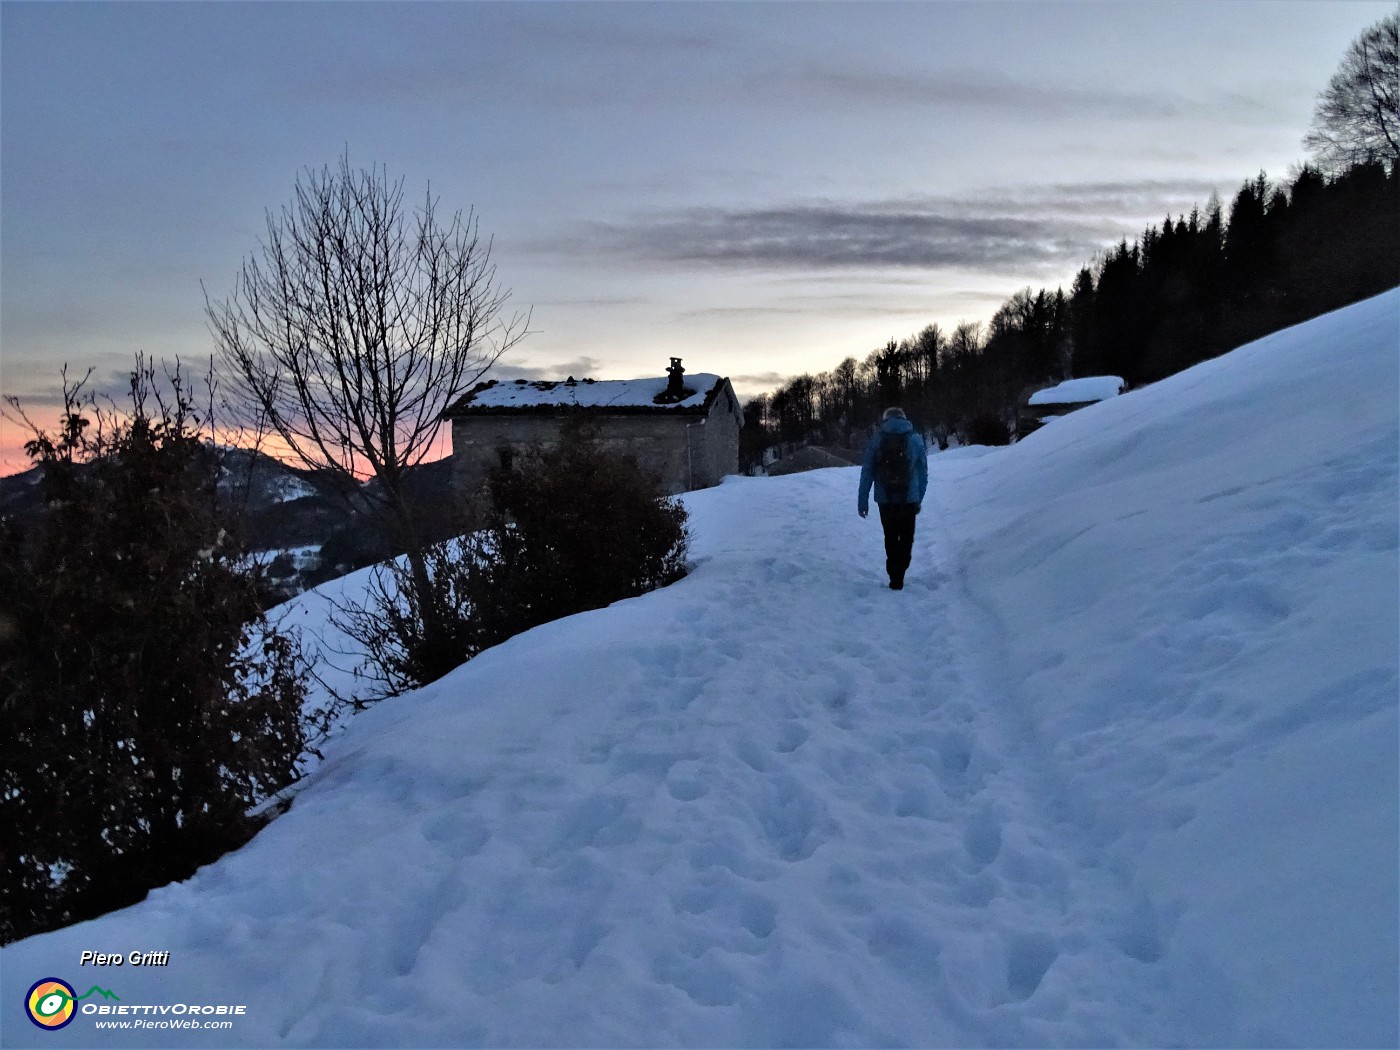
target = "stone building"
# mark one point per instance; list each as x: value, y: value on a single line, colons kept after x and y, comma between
x: 1070, y: 396
x: 683, y: 429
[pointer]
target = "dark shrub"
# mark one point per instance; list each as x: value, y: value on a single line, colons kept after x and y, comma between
x: 573, y: 528
x: 988, y: 429
x: 566, y: 529
x: 147, y: 705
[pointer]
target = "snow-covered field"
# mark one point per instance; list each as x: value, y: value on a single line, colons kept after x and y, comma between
x: 1118, y: 767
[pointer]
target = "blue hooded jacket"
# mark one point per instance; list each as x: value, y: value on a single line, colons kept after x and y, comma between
x: 918, y: 457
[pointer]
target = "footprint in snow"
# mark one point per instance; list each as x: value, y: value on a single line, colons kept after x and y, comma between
x: 1029, y: 957
x: 791, y: 738
x: 982, y: 838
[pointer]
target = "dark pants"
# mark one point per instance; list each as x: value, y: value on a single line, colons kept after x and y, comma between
x: 897, y: 519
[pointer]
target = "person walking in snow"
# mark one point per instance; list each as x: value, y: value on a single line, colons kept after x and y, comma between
x: 896, y: 463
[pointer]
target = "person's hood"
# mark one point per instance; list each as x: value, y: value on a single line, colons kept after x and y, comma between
x: 896, y: 426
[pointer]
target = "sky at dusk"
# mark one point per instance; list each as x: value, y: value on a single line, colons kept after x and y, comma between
x: 760, y: 189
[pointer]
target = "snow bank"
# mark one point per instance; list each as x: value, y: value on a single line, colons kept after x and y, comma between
x: 1201, y: 630
x: 1118, y: 767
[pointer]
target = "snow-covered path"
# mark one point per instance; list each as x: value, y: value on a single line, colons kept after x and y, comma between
x: 907, y: 871
x: 1118, y: 767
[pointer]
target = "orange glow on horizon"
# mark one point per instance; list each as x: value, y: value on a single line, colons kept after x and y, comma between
x: 13, y: 459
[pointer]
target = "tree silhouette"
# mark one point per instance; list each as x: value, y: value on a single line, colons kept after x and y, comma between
x: 1358, y: 114
x: 354, y: 327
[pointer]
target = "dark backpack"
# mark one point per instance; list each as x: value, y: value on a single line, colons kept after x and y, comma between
x: 892, y: 465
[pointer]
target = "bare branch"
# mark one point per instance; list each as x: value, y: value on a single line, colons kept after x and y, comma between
x: 356, y: 324
x: 1357, y: 119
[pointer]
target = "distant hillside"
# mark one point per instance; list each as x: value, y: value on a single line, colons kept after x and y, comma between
x: 282, y: 508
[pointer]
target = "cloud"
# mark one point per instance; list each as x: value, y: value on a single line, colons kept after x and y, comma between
x: 855, y: 237
x: 579, y: 368
x: 855, y: 305
x: 39, y: 382
x: 542, y: 60
x: 1122, y: 199
x: 988, y: 93
x: 748, y: 387
x: 759, y: 379
x: 983, y: 91
x: 1007, y: 231
x: 766, y: 310
x: 594, y: 302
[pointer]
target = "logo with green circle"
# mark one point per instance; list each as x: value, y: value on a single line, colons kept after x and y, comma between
x: 51, y: 1003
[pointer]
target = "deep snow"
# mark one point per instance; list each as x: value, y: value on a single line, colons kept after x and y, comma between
x: 1118, y: 767
x: 1079, y: 391
x: 591, y: 393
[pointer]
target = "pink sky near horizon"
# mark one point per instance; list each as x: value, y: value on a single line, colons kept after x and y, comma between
x: 13, y: 459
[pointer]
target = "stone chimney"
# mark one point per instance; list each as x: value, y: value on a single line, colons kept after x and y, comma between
x: 675, y: 389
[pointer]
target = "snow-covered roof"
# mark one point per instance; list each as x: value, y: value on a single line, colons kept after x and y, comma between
x: 605, y: 394
x: 1079, y: 391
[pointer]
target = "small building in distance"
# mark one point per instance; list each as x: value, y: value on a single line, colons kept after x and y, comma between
x: 683, y: 429
x: 1064, y: 398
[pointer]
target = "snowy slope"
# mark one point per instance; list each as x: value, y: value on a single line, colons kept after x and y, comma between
x: 1118, y: 767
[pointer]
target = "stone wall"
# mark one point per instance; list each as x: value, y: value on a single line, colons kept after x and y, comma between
x: 715, y: 446
x: 682, y: 450
x: 658, y: 444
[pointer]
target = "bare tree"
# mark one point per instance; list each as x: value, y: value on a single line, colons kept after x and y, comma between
x: 355, y: 324
x: 1358, y: 115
